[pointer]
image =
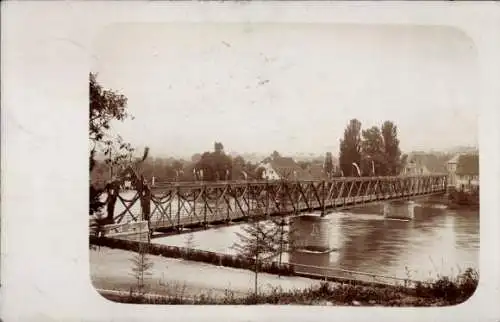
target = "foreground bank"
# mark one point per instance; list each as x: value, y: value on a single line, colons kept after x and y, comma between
x: 177, y: 281
x: 111, y: 269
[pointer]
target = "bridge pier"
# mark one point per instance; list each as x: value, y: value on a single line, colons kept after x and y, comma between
x: 310, y: 239
x: 311, y: 233
x: 310, y: 262
x: 399, y: 210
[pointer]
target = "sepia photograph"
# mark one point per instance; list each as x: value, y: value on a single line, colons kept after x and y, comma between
x: 266, y: 163
x: 249, y: 161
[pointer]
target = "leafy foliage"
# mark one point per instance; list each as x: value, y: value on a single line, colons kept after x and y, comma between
x: 227, y: 260
x: 257, y: 242
x: 350, y: 148
x: 95, y: 203
x: 284, y: 238
x: 374, y: 158
x: 215, y: 165
x: 391, y: 148
x: 376, y: 151
x: 329, y: 164
x: 141, y: 266
x: 105, y: 106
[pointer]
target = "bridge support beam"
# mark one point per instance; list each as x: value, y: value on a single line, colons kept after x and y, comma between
x: 310, y: 232
x: 310, y: 237
x: 399, y: 210
x: 310, y: 262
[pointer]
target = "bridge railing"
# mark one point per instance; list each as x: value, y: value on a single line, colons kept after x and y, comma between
x: 180, y: 203
x: 326, y: 273
x: 161, y: 184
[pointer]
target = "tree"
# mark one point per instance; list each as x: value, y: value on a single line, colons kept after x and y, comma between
x: 257, y: 241
x: 283, y: 237
x: 141, y: 267
x: 190, y: 243
x: 104, y: 107
x: 95, y: 202
x: 195, y: 157
x: 274, y: 156
x: 328, y: 166
x: 392, y: 153
x: 215, y: 165
x: 251, y: 170
x: 218, y: 148
x: 238, y: 167
x: 350, y: 148
x: 373, y: 158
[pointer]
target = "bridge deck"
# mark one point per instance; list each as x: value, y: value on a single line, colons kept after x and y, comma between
x: 185, y: 220
x: 177, y: 205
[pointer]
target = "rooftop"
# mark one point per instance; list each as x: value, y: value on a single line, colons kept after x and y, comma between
x: 287, y: 168
x: 468, y: 164
x: 433, y: 163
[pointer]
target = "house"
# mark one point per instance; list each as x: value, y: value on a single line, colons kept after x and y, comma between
x: 424, y: 163
x: 317, y: 171
x: 280, y: 168
x: 415, y: 168
x: 463, y: 171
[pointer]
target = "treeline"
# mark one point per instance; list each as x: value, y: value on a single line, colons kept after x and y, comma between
x: 371, y: 152
x: 208, y: 166
x: 213, y: 165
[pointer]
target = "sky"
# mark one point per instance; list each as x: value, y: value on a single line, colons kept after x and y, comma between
x: 288, y: 87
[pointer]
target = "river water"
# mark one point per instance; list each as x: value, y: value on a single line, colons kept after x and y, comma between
x: 438, y: 241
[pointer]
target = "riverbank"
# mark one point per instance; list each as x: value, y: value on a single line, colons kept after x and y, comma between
x: 458, y: 199
x: 111, y: 269
x: 239, y: 262
x: 176, y: 281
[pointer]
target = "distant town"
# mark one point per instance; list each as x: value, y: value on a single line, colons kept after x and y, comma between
x: 462, y: 161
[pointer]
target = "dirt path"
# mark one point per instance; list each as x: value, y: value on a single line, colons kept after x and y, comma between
x: 111, y: 269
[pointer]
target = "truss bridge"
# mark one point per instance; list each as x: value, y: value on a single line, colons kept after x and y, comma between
x: 172, y: 206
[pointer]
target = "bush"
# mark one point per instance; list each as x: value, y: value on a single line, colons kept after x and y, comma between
x: 453, y: 291
x: 226, y: 260
x: 443, y: 292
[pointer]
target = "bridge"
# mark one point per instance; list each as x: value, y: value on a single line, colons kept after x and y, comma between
x: 173, y: 206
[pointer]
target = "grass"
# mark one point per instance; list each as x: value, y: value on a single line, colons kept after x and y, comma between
x: 444, y: 291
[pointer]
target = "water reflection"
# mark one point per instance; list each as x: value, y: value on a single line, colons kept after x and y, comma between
x: 436, y: 241
x: 313, y: 262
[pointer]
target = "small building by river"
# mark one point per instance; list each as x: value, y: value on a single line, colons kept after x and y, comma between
x: 464, y: 171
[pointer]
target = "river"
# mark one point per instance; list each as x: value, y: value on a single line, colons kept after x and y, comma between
x: 438, y: 241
